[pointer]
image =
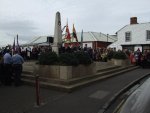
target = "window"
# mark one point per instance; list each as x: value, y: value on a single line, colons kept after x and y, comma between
x: 148, y: 35
x: 128, y: 36
x: 146, y: 47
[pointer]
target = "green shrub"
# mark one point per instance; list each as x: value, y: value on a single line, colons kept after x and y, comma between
x: 119, y: 55
x: 104, y: 57
x: 48, y: 58
x: 83, y: 58
x: 110, y: 55
x: 68, y: 59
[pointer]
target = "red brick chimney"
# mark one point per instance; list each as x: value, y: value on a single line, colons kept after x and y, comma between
x: 133, y: 20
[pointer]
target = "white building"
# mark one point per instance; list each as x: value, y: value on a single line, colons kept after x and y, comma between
x: 133, y: 36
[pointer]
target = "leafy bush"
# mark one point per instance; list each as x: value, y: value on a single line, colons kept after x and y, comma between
x: 104, y: 57
x: 83, y: 58
x: 119, y: 55
x: 48, y: 58
x: 110, y: 55
x: 68, y: 59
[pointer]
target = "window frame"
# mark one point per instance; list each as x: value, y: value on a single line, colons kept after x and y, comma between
x: 129, y: 37
x: 147, y: 35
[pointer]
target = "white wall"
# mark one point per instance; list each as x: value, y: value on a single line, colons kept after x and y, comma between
x: 138, y: 34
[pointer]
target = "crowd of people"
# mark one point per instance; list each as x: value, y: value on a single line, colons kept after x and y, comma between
x: 11, y: 68
x: 140, y: 58
x: 11, y: 64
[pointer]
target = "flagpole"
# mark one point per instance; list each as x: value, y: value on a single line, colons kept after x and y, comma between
x: 18, y: 47
x: 82, y: 38
x: 13, y: 47
x: 17, y: 43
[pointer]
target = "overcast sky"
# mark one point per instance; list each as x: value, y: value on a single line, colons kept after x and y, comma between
x: 33, y: 18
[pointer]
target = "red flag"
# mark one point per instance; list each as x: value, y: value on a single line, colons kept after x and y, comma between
x: 67, y: 35
x: 74, y: 33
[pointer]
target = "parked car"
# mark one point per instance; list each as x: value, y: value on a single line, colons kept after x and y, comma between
x: 138, y: 101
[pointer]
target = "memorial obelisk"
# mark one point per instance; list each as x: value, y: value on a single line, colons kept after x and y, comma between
x: 57, y: 34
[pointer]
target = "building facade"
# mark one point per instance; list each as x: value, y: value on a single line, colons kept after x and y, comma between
x: 94, y: 40
x: 133, y: 36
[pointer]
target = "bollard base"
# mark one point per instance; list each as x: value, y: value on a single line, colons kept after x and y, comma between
x: 37, y: 106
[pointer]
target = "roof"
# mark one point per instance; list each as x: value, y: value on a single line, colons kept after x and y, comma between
x: 95, y: 36
x: 87, y: 37
x: 132, y: 25
x: 37, y: 40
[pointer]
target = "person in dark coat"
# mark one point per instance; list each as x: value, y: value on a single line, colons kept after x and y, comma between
x: 17, y: 68
x: 7, y: 68
x: 1, y: 69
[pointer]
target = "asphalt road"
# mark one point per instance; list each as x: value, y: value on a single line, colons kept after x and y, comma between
x: 89, y: 99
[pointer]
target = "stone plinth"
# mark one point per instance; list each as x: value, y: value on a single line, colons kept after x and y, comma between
x: 65, y: 72
x: 59, y: 72
x: 121, y: 62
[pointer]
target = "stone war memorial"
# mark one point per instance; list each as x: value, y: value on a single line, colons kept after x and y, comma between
x: 69, y: 70
x: 60, y: 71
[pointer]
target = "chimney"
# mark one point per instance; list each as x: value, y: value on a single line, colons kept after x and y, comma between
x: 133, y: 20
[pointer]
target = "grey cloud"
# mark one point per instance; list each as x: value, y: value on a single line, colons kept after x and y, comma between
x: 20, y: 26
x: 96, y: 15
x: 25, y: 29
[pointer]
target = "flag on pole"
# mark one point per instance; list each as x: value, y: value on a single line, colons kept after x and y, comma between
x: 74, y: 33
x: 67, y: 34
x: 82, y: 38
x: 13, y: 47
x: 17, y: 46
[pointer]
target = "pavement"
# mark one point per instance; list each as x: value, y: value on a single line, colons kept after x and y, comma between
x: 89, y: 99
